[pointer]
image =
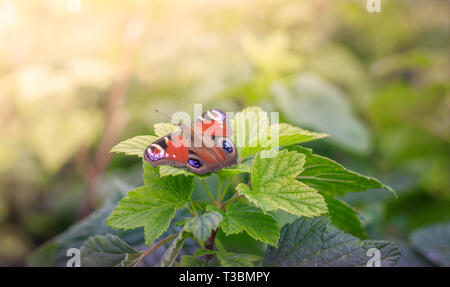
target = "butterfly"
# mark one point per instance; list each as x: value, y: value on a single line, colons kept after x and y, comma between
x: 203, y: 147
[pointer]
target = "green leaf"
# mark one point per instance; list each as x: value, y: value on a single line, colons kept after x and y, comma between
x: 344, y: 217
x: 274, y: 186
x: 290, y: 135
x: 134, y: 146
x: 153, y: 205
x: 53, y: 253
x: 178, y: 188
x: 433, y: 242
x: 253, y: 133
x: 171, y: 253
x: 167, y: 170
x: 326, y: 175
x: 201, y: 226
x: 282, y: 217
x: 314, y: 242
x: 284, y: 165
x: 287, y: 135
x: 229, y: 259
x: 228, y: 172
x: 390, y: 253
x: 107, y: 250
x: 254, y: 117
x: 163, y: 129
x: 191, y: 261
x: 202, y: 252
x: 243, y: 217
x: 142, y: 207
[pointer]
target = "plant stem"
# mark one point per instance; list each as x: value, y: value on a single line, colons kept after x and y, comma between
x: 190, y: 210
x: 222, y: 196
x: 193, y: 206
x: 235, y: 197
x: 219, y: 190
x: 208, y: 191
x: 209, y: 244
x: 154, y: 247
x: 197, y: 204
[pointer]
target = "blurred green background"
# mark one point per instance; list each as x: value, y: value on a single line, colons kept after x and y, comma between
x: 74, y: 83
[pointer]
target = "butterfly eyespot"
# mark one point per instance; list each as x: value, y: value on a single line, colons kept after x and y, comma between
x: 227, y: 147
x: 195, y: 162
x: 155, y: 152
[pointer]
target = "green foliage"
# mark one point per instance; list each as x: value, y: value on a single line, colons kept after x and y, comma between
x: 107, y: 250
x: 229, y: 172
x: 134, y: 146
x: 274, y: 186
x: 163, y: 129
x: 171, y: 253
x: 294, y: 181
x: 328, y: 176
x: 53, y: 253
x: 377, y: 83
x: 249, y: 141
x: 240, y: 217
x: 314, y: 103
x: 201, y: 226
x: 153, y: 205
x: 344, y: 217
x: 432, y: 242
x: 227, y: 259
x: 192, y: 261
x: 167, y: 170
x: 313, y: 242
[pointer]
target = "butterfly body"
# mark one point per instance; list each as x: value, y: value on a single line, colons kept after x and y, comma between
x: 203, y: 147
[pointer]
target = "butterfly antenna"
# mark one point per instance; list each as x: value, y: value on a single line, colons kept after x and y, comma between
x: 161, y: 113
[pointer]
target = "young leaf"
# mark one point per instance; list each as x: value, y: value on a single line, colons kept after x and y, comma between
x: 253, y: 132
x: 248, y: 124
x: 153, y: 205
x: 290, y: 135
x: 328, y: 176
x: 287, y: 135
x: 228, y: 172
x: 163, y: 129
x: 313, y: 242
x: 201, y: 226
x: 344, y: 217
x: 274, y: 186
x: 243, y: 217
x: 107, y: 250
x: 134, y: 146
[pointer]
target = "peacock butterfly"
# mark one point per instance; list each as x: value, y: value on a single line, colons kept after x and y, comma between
x: 203, y: 147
